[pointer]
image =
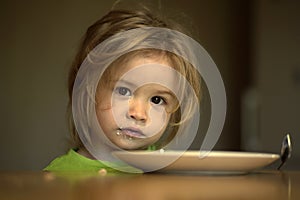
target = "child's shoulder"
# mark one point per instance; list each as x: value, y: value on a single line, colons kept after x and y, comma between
x: 73, y: 161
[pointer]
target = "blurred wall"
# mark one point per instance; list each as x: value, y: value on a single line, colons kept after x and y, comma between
x: 275, y: 95
x: 38, y: 42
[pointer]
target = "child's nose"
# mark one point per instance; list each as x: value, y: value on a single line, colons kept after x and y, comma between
x: 138, y: 110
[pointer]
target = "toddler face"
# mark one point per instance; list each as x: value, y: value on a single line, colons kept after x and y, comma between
x: 135, y: 104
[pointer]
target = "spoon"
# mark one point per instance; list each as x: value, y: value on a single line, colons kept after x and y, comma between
x: 286, y: 150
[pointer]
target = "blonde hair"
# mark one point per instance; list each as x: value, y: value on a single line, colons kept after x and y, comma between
x: 119, y: 21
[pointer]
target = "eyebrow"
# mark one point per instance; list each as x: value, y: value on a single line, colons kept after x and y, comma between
x: 165, y: 92
x: 124, y: 81
x: 159, y: 91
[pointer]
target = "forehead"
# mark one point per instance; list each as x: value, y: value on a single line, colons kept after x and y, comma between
x: 132, y: 61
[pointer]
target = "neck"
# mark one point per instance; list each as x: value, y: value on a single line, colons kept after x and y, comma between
x: 85, y: 153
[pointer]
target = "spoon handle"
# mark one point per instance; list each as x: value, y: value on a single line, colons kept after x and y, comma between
x: 286, y: 150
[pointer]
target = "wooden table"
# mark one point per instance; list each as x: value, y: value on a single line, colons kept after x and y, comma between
x: 154, y: 186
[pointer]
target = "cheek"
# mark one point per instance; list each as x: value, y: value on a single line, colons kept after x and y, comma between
x: 104, y: 114
x: 159, y: 119
x: 103, y: 98
x: 158, y: 116
x: 102, y: 106
x: 119, y: 110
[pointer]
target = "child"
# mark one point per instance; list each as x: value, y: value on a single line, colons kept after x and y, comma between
x: 131, y: 87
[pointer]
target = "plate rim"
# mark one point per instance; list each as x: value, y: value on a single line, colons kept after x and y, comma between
x: 208, y: 162
x: 192, y: 153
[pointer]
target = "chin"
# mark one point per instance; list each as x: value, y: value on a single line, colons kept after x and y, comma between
x: 132, y: 146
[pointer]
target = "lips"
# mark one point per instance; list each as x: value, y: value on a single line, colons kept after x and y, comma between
x: 132, y: 132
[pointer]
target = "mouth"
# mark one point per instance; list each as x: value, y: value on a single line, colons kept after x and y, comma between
x: 131, y: 133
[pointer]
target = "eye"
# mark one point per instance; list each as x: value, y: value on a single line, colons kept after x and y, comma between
x: 123, y: 91
x: 158, y: 100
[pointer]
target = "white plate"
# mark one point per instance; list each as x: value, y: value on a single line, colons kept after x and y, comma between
x: 214, y: 161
